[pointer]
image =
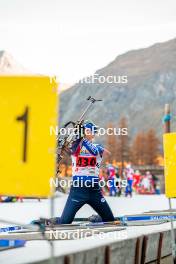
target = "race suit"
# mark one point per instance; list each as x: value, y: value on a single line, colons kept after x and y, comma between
x: 86, y: 160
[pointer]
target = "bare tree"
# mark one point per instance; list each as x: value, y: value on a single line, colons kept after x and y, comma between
x: 111, y: 145
x: 145, y: 148
x: 138, y: 149
x: 123, y: 143
x: 151, y: 147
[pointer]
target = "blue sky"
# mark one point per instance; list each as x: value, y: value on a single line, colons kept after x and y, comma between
x: 72, y: 39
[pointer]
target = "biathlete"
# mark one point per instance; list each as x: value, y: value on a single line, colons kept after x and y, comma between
x: 86, y: 160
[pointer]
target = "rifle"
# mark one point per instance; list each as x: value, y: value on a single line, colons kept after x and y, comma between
x: 63, y: 144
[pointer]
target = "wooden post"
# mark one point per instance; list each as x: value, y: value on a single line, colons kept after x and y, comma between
x: 144, y: 249
x: 107, y: 259
x: 160, y: 244
x: 167, y: 123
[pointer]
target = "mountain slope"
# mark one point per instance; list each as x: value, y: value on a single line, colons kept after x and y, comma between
x: 151, y: 83
x: 8, y: 65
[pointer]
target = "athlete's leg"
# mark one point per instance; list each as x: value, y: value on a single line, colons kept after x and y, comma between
x: 76, y: 199
x: 111, y: 191
x: 115, y: 187
x: 127, y: 189
x: 130, y: 187
x: 99, y: 204
x: 114, y: 191
x: 111, y: 188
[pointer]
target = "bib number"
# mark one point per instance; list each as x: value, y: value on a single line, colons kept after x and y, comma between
x: 86, y: 162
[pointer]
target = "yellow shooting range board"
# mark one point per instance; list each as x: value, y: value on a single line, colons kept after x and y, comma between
x: 28, y: 107
x: 170, y: 164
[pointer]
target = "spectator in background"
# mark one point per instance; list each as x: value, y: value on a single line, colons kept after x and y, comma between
x: 156, y: 184
x: 102, y: 178
x: 8, y: 199
x: 111, y: 180
x: 129, y: 172
x: 145, y: 184
x: 149, y: 175
x: 136, y: 180
x: 118, y: 186
x: 117, y: 172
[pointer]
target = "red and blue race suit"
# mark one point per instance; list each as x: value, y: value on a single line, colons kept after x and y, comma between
x: 86, y: 161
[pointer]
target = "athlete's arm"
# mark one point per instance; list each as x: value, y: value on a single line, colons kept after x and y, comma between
x: 75, y: 145
x: 93, y: 149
